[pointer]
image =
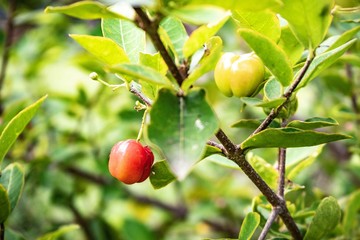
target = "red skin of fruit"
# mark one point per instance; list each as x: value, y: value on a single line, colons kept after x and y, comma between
x: 130, y: 162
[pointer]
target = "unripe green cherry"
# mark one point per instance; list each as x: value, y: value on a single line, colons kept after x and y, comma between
x: 239, y: 75
x: 130, y: 162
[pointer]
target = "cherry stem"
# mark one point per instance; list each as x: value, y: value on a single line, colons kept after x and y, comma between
x: 142, y: 125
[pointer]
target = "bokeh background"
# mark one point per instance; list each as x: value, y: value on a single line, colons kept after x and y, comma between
x: 65, y: 148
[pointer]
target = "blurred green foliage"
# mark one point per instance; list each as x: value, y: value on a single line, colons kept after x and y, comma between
x: 65, y: 148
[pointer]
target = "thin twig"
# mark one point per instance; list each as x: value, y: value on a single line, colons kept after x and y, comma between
x: 141, y: 96
x: 273, y: 215
x: 151, y: 28
x: 275, y: 112
x: 281, y: 168
x: 9, y: 30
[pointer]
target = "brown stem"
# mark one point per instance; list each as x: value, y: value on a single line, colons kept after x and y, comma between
x: 9, y: 30
x: 238, y: 156
x: 140, y: 96
x: 83, y: 222
x: 273, y: 215
x: 151, y: 28
x: 281, y: 169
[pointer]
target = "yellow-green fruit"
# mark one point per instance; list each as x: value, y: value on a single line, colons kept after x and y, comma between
x: 239, y: 75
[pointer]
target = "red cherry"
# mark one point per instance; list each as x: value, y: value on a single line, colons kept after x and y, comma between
x: 130, y: 162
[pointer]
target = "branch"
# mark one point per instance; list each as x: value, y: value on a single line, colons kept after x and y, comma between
x: 238, y: 156
x: 273, y: 215
x: 151, y: 28
x: 275, y: 112
x: 139, y: 94
x: 9, y: 30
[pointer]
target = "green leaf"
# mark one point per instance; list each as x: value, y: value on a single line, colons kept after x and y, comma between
x: 272, y: 55
x: 202, y: 34
x: 4, y: 204
x: 127, y: 35
x: 85, y: 10
x: 17, y: 124
x: 253, y: 123
x: 177, y: 35
x: 350, y: 221
x: 246, y: 5
x: 59, y: 232
x: 293, y: 168
x: 161, y: 175
x: 12, y: 178
x: 198, y: 14
x: 336, y: 41
x: 291, y: 46
x: 249, y: 225
x: 312, y: 123
x: 211, y: 150
x: 207, y: 63
x: 266, y: 171
x: 140, y: 72
x: 289, y: 138
x: 323, y: 61
x: 222, y: 161
x: 264, y: 22
x: 156, y: 62
x: 308, y: 19
x: 255, y: 102
x: 327, y: 217
x: 181, y: 126
x: 105, y: 49
x: 272, y: 89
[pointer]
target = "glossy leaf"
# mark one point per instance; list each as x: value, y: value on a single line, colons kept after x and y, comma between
x: 290, y: 44
x: 345, y: 37
x: 350, y: 220
x: 308, y: 19
x: 249, y: 225
x: 105, y: 49
x: 156, y: 62
x: 207, y: 63
x: 201, y: 35
x: 17, y: 124
x: 246, y: 5
x: 85, y: 10
x: 59, y: 232
x: 327, y: 216
x: 272, y: 55
x: 140, y: 72
x: 4, y: 204
x: 161, y: 175
x: 293, y: 168
x: 266, y: 171
x: 272, y: 89
x: 264, y: 22
x: 313, y: 123
x: 177, y: 35
x: 289, y: 137
x: 12, y: 178
x: 180, y: 127
x: 127, y: 35
x: 323, y: 61
x: 198, y: 14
